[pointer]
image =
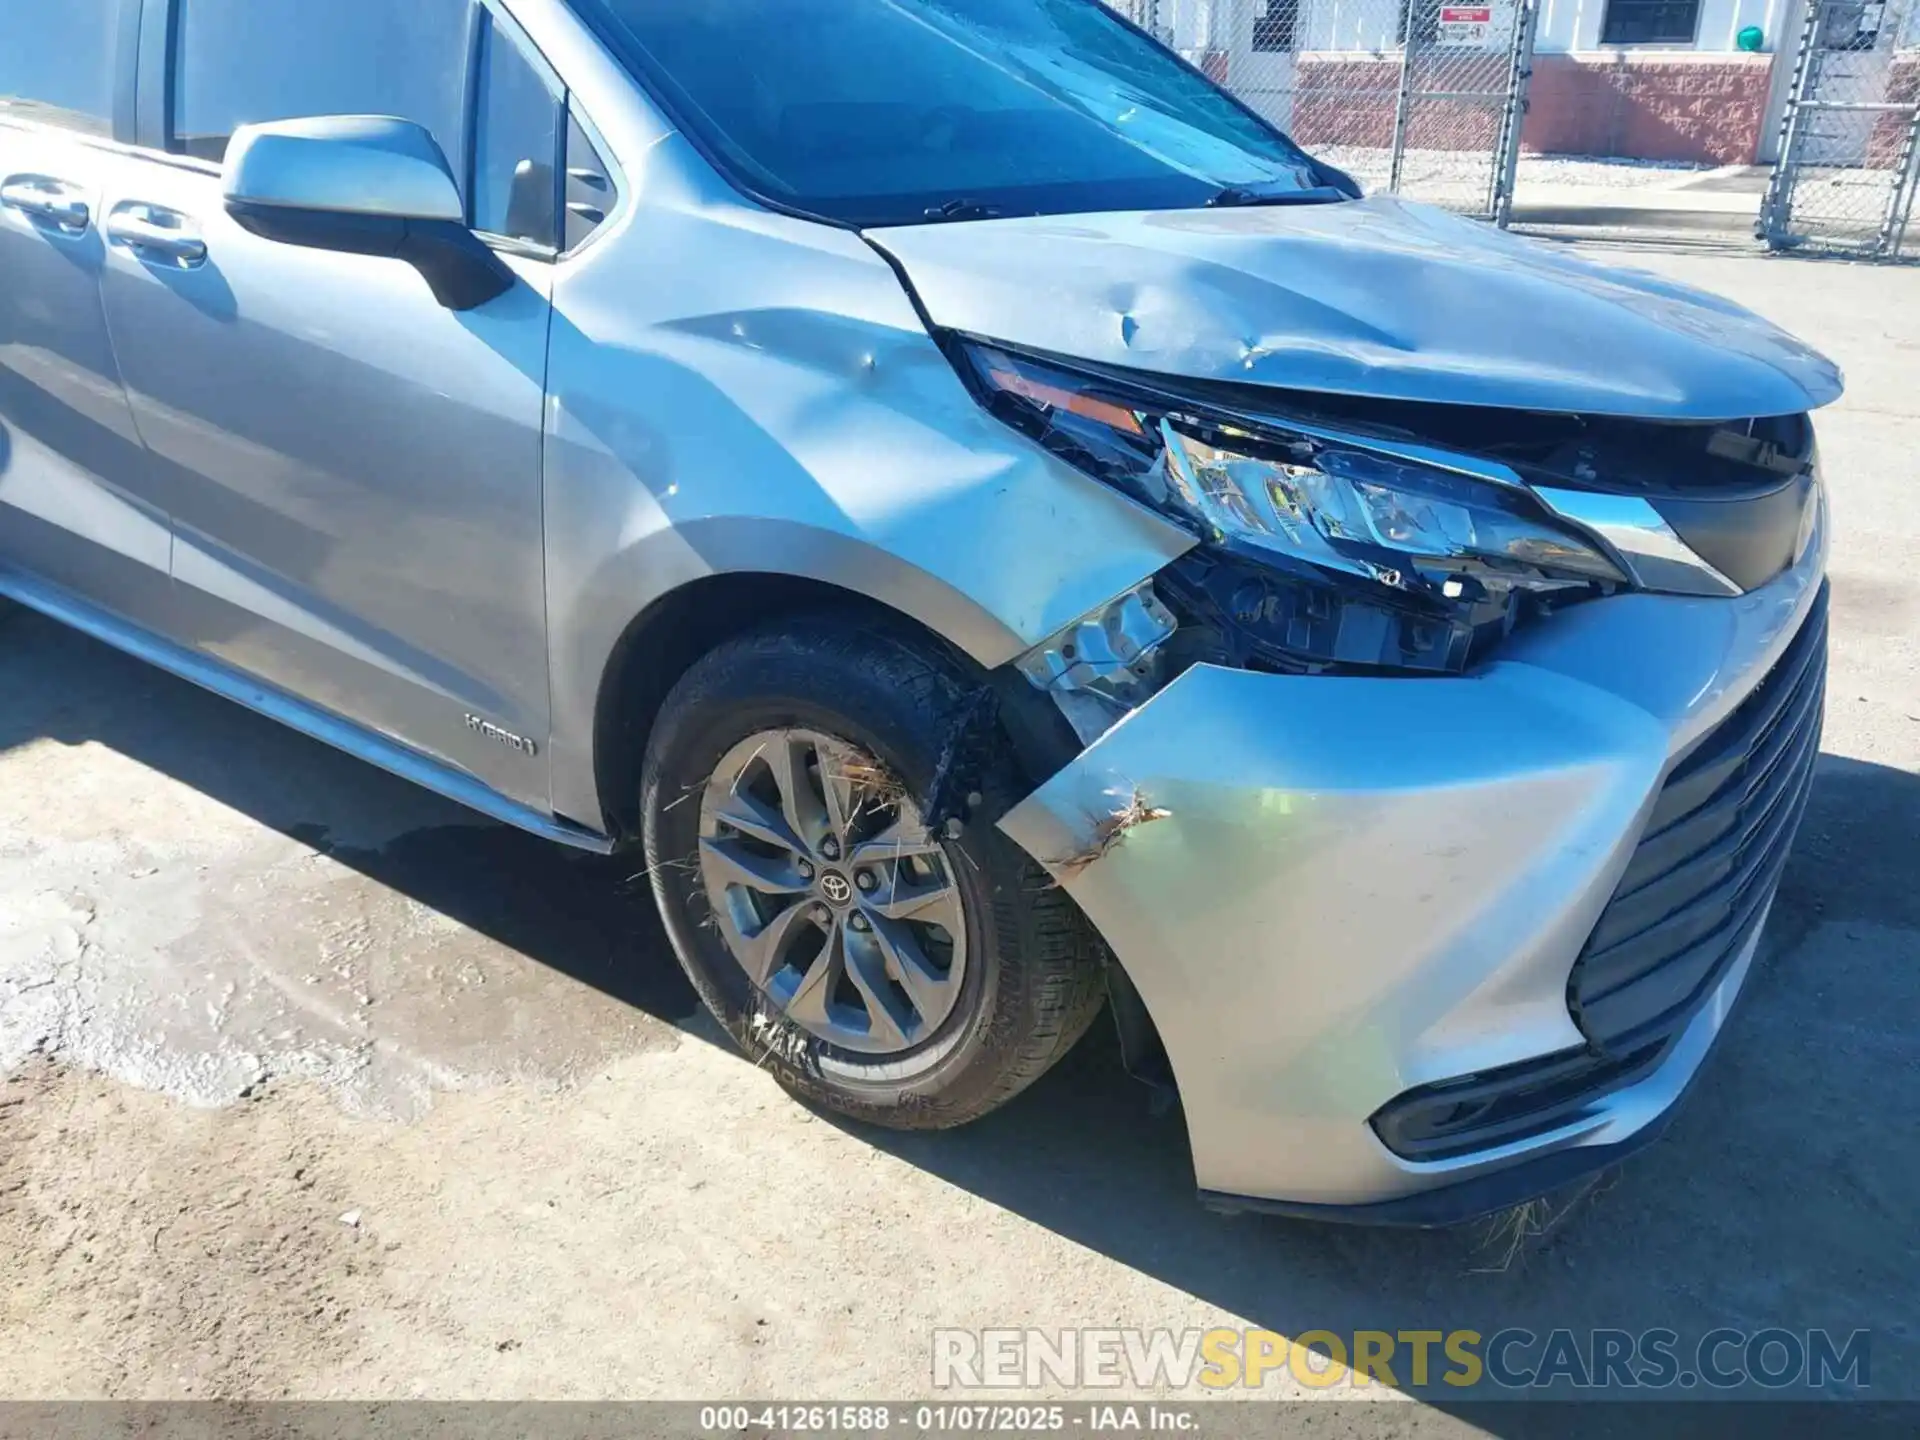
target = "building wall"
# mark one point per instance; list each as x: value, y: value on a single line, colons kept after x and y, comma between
x: 1710, y: 103
x: 1664, y: 105
x: 1349, y: 100
x: 1889, y: 135
x: 1709, y: 109
x: 1198, y: 26
x: 1575, y: 25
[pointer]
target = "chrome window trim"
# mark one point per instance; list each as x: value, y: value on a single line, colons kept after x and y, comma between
x: 106, y: 143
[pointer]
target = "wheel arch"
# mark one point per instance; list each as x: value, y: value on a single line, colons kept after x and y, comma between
x: 661, y: 643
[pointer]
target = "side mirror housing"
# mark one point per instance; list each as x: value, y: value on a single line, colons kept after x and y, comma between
x: 362, y: 185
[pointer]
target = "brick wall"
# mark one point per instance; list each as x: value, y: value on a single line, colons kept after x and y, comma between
x: 1349, y: 100
x: 1709, y: 108
x: 1344, y: 100
x: 1890, y: 131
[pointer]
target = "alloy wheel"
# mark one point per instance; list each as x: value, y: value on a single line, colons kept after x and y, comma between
x: 830, y: 891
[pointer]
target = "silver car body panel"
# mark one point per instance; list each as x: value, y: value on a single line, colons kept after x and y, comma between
x: 353, y: 474
x: 1376, y: 297
x: 734, y: 392
x: 780, y: 409
x: 1361, y: 886
x: 78, y: 503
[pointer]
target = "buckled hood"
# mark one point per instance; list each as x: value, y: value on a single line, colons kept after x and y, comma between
x: 1372, y: 297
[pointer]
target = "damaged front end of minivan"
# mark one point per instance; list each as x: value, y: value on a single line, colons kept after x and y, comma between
x: 1431, y: 802
x: 1407, y: 745
x: 1352, y: 806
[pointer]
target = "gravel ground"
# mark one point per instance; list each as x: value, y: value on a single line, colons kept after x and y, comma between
x: 315, y: 1086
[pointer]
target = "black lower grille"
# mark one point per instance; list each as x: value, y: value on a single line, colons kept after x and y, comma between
x: 1699, y: 882
x: 1515, y: 1102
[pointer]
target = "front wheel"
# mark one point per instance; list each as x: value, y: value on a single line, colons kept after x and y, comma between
x: 914, y: 978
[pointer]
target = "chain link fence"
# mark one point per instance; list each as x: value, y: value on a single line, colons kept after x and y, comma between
x: 1420, y: 97
x: 1426, y: 98
x: 1850, y: 142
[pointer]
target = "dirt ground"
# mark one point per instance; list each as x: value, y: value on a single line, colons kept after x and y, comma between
x: 312, y: 1085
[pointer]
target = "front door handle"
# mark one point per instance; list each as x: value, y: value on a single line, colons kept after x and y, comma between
x: 153, y: 230
x: 45, y: 198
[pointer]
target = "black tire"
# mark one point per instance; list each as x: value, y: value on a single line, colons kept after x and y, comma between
x: 1035, y: 978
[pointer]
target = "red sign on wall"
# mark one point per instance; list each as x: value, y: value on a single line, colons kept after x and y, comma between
x: 1466, y: 24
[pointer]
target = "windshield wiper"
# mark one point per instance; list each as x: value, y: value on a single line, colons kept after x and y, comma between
x: 963, y: 210
x: 1256, y: 195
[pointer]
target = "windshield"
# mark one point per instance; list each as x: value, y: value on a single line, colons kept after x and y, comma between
x: 878, y: 112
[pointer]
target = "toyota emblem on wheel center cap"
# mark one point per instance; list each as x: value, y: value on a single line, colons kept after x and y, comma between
x: 834, y: 886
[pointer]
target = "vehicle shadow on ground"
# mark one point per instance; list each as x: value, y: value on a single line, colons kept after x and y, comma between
x: 588, y: 916
x: 1782, y: 1196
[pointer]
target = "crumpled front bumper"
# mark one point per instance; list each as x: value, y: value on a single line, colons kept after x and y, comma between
x: 1332, y: 891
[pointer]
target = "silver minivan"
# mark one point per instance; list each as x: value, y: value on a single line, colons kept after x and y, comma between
x: 1000, y: 528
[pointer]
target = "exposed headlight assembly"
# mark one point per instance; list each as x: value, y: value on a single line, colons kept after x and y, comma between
x: 1320, y: 550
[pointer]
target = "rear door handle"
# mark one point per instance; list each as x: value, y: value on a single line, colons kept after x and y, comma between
x: 45, y: 198
x: 154, y: 230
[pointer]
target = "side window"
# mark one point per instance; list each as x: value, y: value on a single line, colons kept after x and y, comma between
x: 57, y: 62
x: 516, y: 145
x: 242, y: 61
x: 589, y: 188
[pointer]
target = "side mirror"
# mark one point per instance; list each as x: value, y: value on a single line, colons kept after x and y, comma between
x: 362, y: 185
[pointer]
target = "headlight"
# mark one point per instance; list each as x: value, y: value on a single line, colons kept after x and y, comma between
x: 1320, y: 549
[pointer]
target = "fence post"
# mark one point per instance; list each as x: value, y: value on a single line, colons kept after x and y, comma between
x: 1893, y: 230
x: 1403, y: 102
x: 1506, y: 165
x: 1776, y: 208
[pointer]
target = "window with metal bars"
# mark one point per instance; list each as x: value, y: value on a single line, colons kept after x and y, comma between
x: 1278, y: 27
x: 1650, y: 22
x: 1420, y: 21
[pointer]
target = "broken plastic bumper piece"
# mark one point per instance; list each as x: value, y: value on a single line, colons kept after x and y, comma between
x: 1341, y: 898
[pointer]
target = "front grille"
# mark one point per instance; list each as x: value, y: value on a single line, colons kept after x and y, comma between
x: 1699, y: 882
